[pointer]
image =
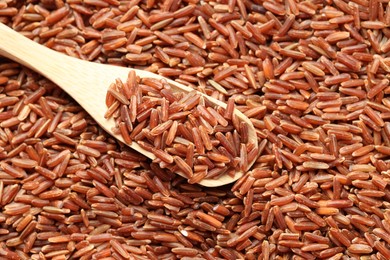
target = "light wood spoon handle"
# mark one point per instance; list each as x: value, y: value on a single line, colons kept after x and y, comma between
x: 88, y: 82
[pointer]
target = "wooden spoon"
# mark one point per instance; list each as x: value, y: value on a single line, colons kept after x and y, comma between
x: 88, y: 82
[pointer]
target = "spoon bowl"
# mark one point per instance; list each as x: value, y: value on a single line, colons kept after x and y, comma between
x: 87, y: 83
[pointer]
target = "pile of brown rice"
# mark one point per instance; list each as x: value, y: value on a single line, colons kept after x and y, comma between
x: 187, y: 133
x: 313, y: 77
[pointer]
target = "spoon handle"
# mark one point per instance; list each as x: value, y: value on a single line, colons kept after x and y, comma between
x: 47, y: 62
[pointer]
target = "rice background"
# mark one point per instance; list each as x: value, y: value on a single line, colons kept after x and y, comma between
x: 313, y: 77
